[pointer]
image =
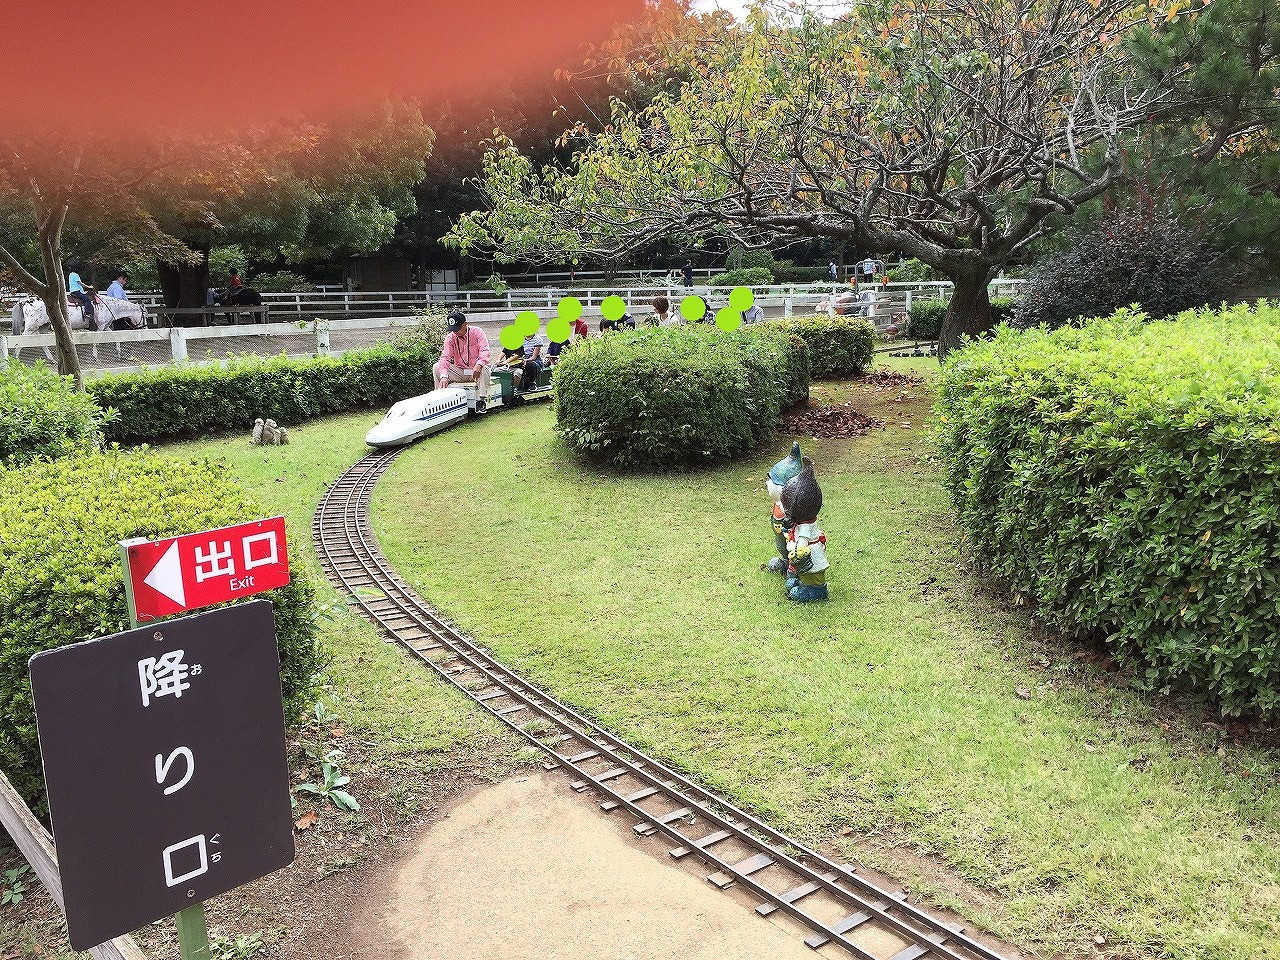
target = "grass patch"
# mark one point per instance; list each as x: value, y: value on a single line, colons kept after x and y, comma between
x: 893, y: 709
x: 408, y: 712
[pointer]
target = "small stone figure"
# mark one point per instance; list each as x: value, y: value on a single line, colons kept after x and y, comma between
x: 782, y: 471
x: 806, y: 543
x: 268, y: 434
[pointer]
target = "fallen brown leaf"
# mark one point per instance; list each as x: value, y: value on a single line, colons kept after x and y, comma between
x: 1023, y: 693
x: 306, y: 821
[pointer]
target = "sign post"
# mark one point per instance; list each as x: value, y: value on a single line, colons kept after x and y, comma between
x: 165, y: 763
x: 166, y: 577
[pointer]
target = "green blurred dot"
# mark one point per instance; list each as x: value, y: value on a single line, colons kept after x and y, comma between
x: 558, y: 330
x: 526, y: 323
x: 741, y: 298
x: 613, y: 308
x: 693, y: 308
x: 570, y: 308
x: 728, y: 319
x: 510, y: 337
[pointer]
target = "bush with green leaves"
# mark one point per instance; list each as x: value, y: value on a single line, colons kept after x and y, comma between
x: 282, y: 281
x: 42, y: 415
x: 913, y: 271
x: 1151, y: 261
x: 744, y: 277
x: 839, y: 346
x: 1125, y: 478
x: 182, y: 401
x: 784, y: 271
x: 61, y: 580
x: 670, y: 397
x: 925, y: 320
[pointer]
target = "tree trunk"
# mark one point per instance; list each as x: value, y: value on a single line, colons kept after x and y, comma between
x: 184, y: 284
x: 969, y: 314
x: 55, y: 298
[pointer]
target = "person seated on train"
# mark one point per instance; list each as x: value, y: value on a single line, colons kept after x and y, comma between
x: 554, y: 349
x: 465, y: 358
x: 580, y: 329
x: 607, y: 325
x: 534, y: 360
x: 513, y: 360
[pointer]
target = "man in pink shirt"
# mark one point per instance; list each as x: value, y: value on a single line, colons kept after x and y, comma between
x: 465, y: 358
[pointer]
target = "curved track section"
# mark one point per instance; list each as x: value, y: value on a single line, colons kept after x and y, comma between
x: 835, y: 903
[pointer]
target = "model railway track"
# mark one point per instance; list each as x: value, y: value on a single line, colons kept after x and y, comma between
x: 835, y: 903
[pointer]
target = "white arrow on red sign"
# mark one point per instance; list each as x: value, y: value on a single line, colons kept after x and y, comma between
x: 166, y: 576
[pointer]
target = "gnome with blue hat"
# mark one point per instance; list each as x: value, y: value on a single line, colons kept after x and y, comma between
x: 806, y: 543
x: 782, y: 471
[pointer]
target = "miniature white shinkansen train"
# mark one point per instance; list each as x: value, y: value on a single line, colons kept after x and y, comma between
x: 417, y: 417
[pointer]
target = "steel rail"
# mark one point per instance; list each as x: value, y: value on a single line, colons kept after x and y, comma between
x: 352, y: 559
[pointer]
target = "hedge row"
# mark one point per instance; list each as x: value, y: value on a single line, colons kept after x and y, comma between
x: 925, y: 321
x: 1125, y: 477
x: 839, y: 346
x: 660, y: 398
x: 42, y: 415
x: 60, y: 577
x: 180, y: 401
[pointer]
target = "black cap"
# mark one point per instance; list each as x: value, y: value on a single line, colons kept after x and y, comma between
x: 456, y: 319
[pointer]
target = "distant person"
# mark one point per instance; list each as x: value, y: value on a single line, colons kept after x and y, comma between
x: 77, y: 293
x: 867, y: 269
x: 116, y: 289
x: 661, y: 311
x: 832, y: 272
x: 580, y: 330
x: 211, y: 297
x: 628, y: 321
x: 465, y: 358
x: 752, y: 315
x: 235, y: 283
x: 607, y: 325
x: 554, y: 349
x: 687, y: 272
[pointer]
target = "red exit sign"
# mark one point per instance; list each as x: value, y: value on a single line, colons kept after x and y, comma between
x: 195, y: 570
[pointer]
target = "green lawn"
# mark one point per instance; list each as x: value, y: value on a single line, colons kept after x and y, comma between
x: 414, y: 718
x: 892, y: 709
x: 1081, y: 812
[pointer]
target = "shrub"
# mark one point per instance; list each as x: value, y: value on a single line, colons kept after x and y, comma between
x: 913, y: 271
x: 758, y: 260
x: 1153, y: 262
x: 283, y: 281
x: 60, y: 576
x: 666, y: 397
x: 784, y: 271
x: 838, y: 346
x: 745, y: 277
x: 925, y: 321
x: 42, y: 415
x: 1124, y: 477
x: 178, y: 401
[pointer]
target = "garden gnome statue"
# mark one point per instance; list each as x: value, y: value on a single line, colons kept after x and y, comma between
x: 782, y: 471
x: 806, y: 543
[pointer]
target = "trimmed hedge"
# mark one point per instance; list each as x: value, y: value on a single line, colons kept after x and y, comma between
x: 925, y: 321
x: 668, y: 397
x: 838, y: 346
x: 743, y: 277
x: 61, y: 582
x: 1125, y: 477
x: 42, y: 415
x: 181, y: 401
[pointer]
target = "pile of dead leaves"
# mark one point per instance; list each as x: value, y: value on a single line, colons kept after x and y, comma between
x: 883, y: 378
x: 838, y: 420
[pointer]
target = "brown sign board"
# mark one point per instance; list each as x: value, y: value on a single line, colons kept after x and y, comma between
x: 165, y: 764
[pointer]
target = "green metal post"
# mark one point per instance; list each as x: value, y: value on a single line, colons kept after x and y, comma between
x: 193, y: 935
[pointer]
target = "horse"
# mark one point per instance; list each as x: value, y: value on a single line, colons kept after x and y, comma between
x: 110, y: 313
x: 241, y: 297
